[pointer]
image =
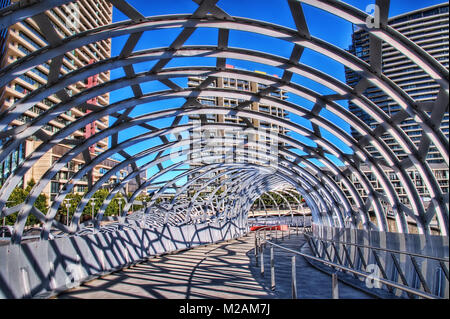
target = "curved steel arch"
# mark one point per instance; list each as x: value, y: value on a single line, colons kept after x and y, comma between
x: 306, y: 133
x: 425, y: 171
x: 447, y: 143
x: 408, y: 183
x: 427, y: 179
x: 301, y: 38
x: 93, y: 163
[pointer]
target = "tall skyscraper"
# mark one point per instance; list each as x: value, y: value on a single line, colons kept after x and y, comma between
x: 239, y: 140
x: 25, y: 37
x: 428, y: 28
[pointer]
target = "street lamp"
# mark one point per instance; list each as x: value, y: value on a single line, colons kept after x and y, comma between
x: 67, y: 220
x: 120, y: 206
x: 92, y: 205
x: 4, y: 229
x: 4, y: 220
x: 303, y: 213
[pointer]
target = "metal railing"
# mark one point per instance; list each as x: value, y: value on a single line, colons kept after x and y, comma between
x: 261, y: 241
x: 373, y: 250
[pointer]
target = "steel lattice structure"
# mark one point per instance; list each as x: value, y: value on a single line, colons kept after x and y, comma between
x: 245, y: 182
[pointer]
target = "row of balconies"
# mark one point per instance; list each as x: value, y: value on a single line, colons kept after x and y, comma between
x: 58, y: 123
x: 18, y: 50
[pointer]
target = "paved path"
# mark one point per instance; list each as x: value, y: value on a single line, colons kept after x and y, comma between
x: 224, y: 270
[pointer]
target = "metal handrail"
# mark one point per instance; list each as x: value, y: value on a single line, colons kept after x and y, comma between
x: 382, y: 249
x: 407, y: 289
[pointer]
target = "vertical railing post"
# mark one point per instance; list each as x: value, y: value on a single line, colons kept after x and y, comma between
x: 256, y: 249
x: 334, y: 286
x: 272, y: 268
x: 262, y: 263
x: 294, y: 278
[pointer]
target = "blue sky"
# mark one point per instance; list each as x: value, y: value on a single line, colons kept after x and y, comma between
x: 322, y: 25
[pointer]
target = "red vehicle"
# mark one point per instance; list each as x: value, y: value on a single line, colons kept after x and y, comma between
x: 269, y: 227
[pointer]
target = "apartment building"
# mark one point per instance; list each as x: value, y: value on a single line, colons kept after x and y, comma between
x: 25, y: 37
x: 428, y: 28
x: 229, y: 143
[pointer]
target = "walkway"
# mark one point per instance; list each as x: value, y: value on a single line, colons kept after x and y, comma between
x: 224, y: 270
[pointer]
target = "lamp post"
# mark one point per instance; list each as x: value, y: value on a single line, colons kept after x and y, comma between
x: 4, y: 220
x: 68, y: 207
x: 4, y: 224
x: 120, y: 206
x: 92, y: 206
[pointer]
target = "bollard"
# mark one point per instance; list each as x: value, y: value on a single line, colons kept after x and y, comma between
x: 334, y: 286
x: 256, y: 250
x: 262, y: 263
x: 294, y: 278
x: 272, y: 268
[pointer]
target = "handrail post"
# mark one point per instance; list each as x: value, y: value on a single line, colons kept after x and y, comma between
x: 272, y: 268
x: 338, y: 267
x: 256, y: 248
x: 262, y: 263
x: 334, y: 286
x: 294, y: 278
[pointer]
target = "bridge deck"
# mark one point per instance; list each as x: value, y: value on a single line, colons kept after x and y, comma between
x: 224, y: 270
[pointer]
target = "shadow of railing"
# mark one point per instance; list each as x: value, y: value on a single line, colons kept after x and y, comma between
x: 210, y: 271
x: 40, y: 269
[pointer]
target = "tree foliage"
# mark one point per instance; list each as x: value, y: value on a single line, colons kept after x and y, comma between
x: 18, y: 196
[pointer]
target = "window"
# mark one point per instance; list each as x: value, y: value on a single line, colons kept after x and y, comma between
x: 54, y: 187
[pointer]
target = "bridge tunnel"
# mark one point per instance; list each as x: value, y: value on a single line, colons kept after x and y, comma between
x: 328, y: 187
x: 199, y: 139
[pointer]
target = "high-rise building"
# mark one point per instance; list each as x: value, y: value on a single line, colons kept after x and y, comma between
x: 235, y: 142
x: 25, y: 37
x: 428, y: 28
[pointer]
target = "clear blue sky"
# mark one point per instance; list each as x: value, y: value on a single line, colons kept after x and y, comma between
x: 322, y: 25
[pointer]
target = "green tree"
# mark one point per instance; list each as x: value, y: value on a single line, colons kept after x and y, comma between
x: 113, y: 207
x: 18, y: 196
x: 71, y: 199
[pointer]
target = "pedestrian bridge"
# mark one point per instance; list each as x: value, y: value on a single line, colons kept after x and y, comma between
x: 226, y: 270
x: 165, y: 141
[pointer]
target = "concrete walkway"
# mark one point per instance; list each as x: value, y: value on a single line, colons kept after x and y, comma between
x: 224, y: 270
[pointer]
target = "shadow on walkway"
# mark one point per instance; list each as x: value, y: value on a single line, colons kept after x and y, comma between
x: 225, y: 270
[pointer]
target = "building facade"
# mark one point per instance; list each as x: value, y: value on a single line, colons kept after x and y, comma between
x: 230, y: 145
x: 428, y: 28
x: 25, y: 37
